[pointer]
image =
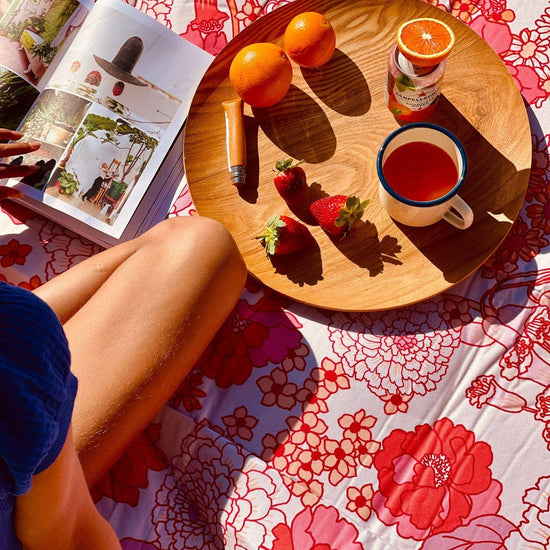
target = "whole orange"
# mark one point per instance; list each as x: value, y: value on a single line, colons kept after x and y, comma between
x: 261, y: 74
x: 310, y: 40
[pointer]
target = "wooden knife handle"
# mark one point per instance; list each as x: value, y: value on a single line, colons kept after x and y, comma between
x: 236, y: 140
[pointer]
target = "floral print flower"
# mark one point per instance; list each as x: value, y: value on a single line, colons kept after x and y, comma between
x: 14, y: 253
x: 240, y: 423
x: 546, y: 435
x: 503, y: 16
x: 540, y: 167
x: 516, y: 362
x: 307, y: 429
x: 360, y: 501
x: 228, y: 359
x: 533, y: 85
x: 498, y: 35
x: 309, y: 493
x: 464, y: 10
x: 218, y: 495
x: 522, y: 360
x: 253, y: 336
x: 542, y: 406
x: 249, y: 12
x: 357, y: 429
x: 528, y: 48
x: 492, y: 10
x: 339, y: 459
x: 332, y: 376
x: 497, y: 268
x: 434, y: 479
x: 538, y: 326
x: 159, y: 10
x: 357, y: 426
x: 208, y: 17
x: 534, y: 528
x: 130, y: 474
x: 404, y: 351
x: 64, y: 248
x: 306, y: 463
x: 179, y: 521
x: 364, y: 452
x: 312, y: 396
x: 543, y: 24
x: 277, y: 390
x: 270, y: 5
x: 316, y: 528
x: 189, y: 393
x: 395, y: 402
x: 278, y: 449
x: 296, y: 358
x: 34, y: 283
x: 521, y: 242
x: 539, y: 212
x: 456, y: 312
x: 484, y: 390
x: 487, y: 532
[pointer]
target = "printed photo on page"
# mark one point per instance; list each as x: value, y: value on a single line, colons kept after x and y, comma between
x: 109, y: 114
x: 32, y: 34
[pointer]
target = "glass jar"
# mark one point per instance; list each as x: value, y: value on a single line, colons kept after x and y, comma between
x: 412, y: 92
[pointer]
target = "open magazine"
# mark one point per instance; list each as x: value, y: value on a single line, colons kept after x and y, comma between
x: 106, y: 90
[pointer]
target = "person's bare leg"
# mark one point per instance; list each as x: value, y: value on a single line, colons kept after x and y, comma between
x: 58, y: 512
x: 137, y: 318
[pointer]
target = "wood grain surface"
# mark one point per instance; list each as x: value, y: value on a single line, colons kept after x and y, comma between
x: 335, y: 119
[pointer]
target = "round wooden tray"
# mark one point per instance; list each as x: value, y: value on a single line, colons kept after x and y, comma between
x: 335, y: 118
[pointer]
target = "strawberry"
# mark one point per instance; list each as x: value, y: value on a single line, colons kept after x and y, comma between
x: 290, y: 180
x: 284, y: 235
x: 337, y: 214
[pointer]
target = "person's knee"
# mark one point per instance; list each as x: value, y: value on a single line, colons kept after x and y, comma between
x: 199, y: 242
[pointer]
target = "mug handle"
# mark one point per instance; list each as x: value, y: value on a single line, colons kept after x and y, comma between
x: 466, y: 217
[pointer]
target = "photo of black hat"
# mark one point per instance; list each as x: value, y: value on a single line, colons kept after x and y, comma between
x: 124, y: 61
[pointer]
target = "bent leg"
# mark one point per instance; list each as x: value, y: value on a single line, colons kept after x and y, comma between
x: 58, y: 511
x: 138, y: 317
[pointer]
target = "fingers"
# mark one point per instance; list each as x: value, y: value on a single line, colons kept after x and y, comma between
x: 9, y: 171
x: 12, y: 149
x: 9, y: 193
x: 7, y: 135
x: 15, y: 149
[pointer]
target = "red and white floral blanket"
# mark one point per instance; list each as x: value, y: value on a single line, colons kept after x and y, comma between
x: 425, y: 427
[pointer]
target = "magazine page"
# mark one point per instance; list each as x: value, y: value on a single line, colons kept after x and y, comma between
x: 109, y: 114
x: 160, y: 197
x: 34, y: 34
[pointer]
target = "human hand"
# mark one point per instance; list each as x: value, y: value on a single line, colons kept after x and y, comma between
x: 9, y: 193
x: 13, y: 149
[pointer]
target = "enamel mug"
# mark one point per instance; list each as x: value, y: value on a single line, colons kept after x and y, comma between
x: 449, y: 207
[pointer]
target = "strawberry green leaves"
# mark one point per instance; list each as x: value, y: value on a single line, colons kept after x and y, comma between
x: 284, y: 235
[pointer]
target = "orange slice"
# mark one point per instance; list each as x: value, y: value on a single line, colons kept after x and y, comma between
x: 425, y: 42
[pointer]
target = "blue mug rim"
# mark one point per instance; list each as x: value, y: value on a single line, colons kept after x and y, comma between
x: 410, y: 202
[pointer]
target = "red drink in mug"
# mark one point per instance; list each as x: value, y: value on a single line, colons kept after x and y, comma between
x: 421, y: 168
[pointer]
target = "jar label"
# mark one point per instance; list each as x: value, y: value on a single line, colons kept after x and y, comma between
x: 412, y: 95
x: 415, y: 99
